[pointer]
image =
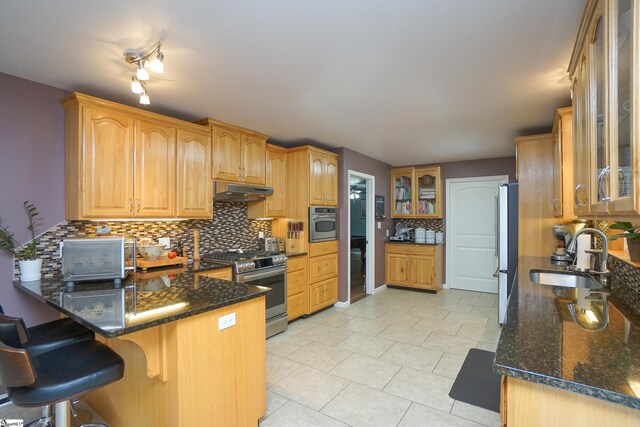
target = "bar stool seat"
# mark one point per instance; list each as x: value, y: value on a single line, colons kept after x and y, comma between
x: 59, y: 375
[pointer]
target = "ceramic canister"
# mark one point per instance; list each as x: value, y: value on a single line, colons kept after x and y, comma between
x: 420, y: 235
x: 439, y: 238
x: 431, y: 236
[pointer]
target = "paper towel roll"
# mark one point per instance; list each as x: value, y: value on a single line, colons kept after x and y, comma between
x: 583, y: 261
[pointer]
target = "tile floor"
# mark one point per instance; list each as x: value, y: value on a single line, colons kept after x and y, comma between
x: 387, y: 360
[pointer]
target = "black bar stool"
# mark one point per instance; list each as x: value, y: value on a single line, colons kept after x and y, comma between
x: 59, y: 375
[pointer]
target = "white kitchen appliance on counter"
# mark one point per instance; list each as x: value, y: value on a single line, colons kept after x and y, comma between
x: 421, y: 235
x: 506, y: 244
x: 430, y: 237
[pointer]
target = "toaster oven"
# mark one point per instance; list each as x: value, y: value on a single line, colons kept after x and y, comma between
x: 97, y: 258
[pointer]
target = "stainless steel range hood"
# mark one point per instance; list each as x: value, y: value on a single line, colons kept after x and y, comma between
x: 233, y: 192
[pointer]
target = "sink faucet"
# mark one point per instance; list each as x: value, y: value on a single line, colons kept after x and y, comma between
x: 605, y: 250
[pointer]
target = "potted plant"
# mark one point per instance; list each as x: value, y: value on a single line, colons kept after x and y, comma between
x: 30, y: 264
x: 632, y: 234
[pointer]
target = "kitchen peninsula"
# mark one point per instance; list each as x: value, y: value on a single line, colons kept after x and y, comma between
x: 194, y: 348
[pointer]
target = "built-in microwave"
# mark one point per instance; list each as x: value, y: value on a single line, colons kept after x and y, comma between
x: 323, y: 223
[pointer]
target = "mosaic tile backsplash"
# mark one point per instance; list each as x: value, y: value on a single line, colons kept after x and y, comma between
x: 627, y: 282
x: 435, y: 224
x: 229, y: 228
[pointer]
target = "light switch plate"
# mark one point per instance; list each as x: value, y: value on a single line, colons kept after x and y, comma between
x: 379, y: 225
x: 386, y: 232
x: 227, y: 321
x: 260, y: 234
x: 166, y: 241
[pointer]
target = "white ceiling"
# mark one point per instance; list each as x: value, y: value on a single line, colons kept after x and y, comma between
x: 405, y: 81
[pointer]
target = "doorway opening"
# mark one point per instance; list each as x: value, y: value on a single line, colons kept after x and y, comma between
x: 361, y: 268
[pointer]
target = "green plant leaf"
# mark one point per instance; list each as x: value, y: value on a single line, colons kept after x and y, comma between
x: 621, y: 225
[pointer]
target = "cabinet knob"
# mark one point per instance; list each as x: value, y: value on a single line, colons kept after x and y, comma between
x: 138, y: 204
x: 131, y: 204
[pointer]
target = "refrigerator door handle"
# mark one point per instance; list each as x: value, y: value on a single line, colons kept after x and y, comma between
x: 497, y: 232
x: 497, y: 273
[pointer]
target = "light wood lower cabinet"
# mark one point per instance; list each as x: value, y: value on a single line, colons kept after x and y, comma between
x: 323, y: 275
x: 524, y: 403
x: 414, y: 266
x: 219, y: 273
x: 297, y: 287
x: 189, y: 372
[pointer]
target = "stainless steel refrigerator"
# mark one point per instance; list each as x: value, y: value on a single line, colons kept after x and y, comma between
x: 507, y: 244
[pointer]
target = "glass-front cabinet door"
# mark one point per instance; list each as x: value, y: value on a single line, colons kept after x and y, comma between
x: 428, y: 193
x: 622, y: 106
x: 402, y: 193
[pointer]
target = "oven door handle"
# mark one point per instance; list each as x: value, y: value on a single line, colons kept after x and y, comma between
x: 248, y: 277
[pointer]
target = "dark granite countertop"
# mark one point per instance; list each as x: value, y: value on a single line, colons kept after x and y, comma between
x: 542, y: 343
x: 140, y: 303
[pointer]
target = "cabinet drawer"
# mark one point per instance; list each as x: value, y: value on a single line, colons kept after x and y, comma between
x: 323, y: 267
x: 297, y: 263
x: 220, y: 273
x: 297, y: 305
x: 324, y: 248
x: 406, y: 248
x: 296, y: 282
x: 323, y: 294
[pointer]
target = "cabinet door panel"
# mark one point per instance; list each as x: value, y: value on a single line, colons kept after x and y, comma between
x: 227, y: 162
x: 108, y: 155
x: 428, y: 193
x: 323, y: 294
x: 402, y: 193
x: 155, y: 170
x: 296, y: 282
x: 323, y: 267
x: 276, y: 178
x: 422, y: 271
x: 397, y: 269
x: 254, y: 151
x: 331, y: 181
x: 316, y: 180
x: 296, y: 305
x: 194, y: 175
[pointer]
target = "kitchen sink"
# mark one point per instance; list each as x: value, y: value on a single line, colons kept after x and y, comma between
x: 569, y: 279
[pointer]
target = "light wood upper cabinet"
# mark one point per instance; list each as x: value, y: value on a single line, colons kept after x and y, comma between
x: 155, y: 171
x: 100, y: 170
x: 238, y: 154
x: 563, y: 188
x: 606, y: 93
x: 122, y: 162
x: 416, y: 192
x: 323, y: 183
x: 273, y: 206
x: 194, y: 174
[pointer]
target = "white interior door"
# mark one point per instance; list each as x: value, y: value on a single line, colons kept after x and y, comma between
x: 471, y: 233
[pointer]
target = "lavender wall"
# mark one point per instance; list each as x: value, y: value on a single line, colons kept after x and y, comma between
x: 31, y: 168
x: 352, y: 160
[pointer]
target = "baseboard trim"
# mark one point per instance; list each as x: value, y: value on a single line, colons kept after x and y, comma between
x: 379, y: 288
x: 341, y: 304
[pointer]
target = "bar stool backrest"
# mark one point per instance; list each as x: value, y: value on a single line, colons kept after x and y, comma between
x: 16, y: 369
x: 13, y: 331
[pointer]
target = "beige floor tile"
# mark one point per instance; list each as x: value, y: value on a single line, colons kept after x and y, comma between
x: 449, y: 344
x: 454, y: 306
x: 299, y: 325
x: 320, y: 356
x: 423, y: 416
x: 285, y: 344
x: 366, y: 312
x: 487, y: 346
x: 326, y: 334
x: 419, y: 386
x: 366, y: 370
x: 293, y: 414
x: 365, y: 326
x: 10, y: 411
x: 449, y: 365
x: 479, y: 415
x: 412, y: 356
x: 365, y: 344
x: 278, y: 368
x: 359, y: 405
x: 472, y: 318
x: 406, y: 320
x: 331, y: 317
x: 479, y: 333
x: 429, y: 312
x: 405, y: 335
x: 486, y: 311
x: 310, y: 387
x: 439, y: 326
x: 274, y: 402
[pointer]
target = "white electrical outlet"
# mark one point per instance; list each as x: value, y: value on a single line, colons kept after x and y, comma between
x: 166, y: 241
x: 260, y: 234
x: 227, y: 321
x: 386, y: 232
x: 379, y: 225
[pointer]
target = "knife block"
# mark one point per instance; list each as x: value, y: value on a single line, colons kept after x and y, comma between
x: 298, y: 244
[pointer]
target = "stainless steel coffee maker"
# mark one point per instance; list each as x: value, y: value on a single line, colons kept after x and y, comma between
x: 564, y: 233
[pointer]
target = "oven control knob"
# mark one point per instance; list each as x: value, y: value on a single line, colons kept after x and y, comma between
x: 243, y: 267
x: 279, y: 260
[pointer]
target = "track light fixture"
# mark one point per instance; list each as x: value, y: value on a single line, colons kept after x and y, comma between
x: 153, y: 60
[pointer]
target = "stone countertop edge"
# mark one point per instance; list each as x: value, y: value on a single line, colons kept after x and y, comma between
x: 151, y: 323
x: 506, y: 350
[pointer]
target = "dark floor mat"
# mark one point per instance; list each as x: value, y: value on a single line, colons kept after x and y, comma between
x: 476, y: 383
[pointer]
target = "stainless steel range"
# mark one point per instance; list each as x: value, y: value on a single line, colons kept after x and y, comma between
x: 263, y: 269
